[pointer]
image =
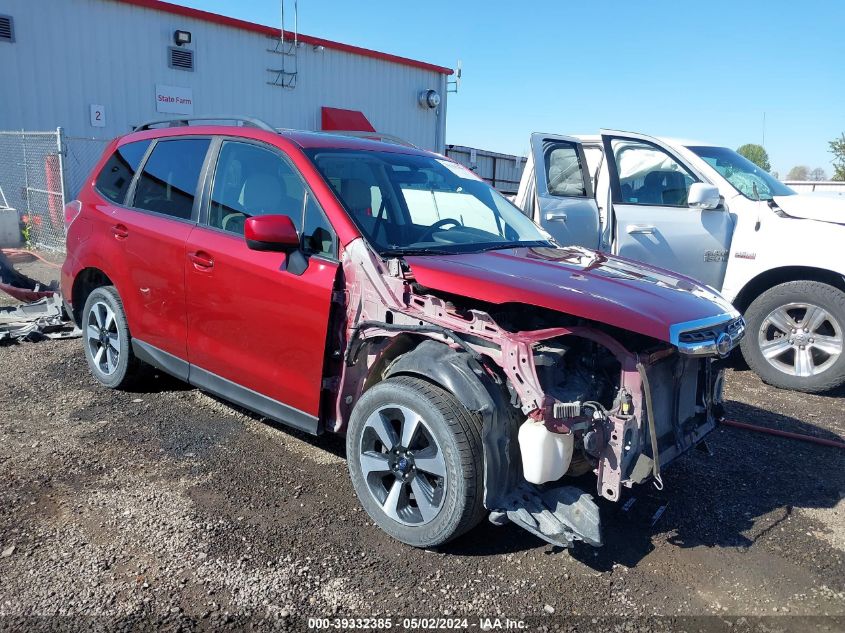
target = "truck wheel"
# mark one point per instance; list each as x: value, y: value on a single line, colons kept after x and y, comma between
x: 794, y: 338
x: 415, y: 458
x: 106, y: 339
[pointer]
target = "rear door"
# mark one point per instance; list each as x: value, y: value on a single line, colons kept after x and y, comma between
x: 258, y: 321
x: 563, y: 201
x: 653, y: 223
x: 150, y: 231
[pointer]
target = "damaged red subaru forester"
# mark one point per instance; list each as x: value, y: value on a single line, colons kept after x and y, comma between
x: 361, y: 287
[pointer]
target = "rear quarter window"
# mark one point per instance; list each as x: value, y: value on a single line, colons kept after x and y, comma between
x: 116, y: 175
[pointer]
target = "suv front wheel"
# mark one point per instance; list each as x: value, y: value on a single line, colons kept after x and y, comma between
x: 794, y: 338
x: 105, y: 336
x: 415, y: 458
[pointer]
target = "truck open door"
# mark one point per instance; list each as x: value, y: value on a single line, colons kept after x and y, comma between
x: 665, y: 212
x: 559, y: 194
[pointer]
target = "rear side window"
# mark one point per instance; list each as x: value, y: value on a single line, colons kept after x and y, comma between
x: 168, y: 183
x: 116, y: 176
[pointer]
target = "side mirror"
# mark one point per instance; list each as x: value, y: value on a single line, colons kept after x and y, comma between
x: 271, y: 233
x: 703, y: 196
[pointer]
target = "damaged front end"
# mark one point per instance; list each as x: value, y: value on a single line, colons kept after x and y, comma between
x: 560, y: 395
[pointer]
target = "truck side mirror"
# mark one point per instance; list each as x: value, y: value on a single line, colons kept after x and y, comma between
x: 703, y: 196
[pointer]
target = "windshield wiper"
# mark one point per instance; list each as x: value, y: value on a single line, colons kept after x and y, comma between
x: 401, y: 252
x: 503, y: 245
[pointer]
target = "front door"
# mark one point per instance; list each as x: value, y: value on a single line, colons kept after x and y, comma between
x: 649, y: 187
x: 257, y: 327
x: 563, y: 201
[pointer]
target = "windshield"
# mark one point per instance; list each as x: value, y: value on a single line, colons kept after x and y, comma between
x: 411, y: 204
x: 742, y: 173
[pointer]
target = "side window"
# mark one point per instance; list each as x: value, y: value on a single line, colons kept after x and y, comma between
x: 318, y: 237
x: 251, y: 180
x: 649, y: 175
x: 564, y: 171
x: 594, y: 156
x: 168, y: 183
x: 114, y: 179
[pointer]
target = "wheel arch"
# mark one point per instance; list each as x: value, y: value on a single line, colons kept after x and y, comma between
x: 773, y: 277
x: 86, y: 281
x: 481, y: 392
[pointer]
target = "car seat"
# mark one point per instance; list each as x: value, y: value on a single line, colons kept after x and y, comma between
x: 358, y: 198
x: 674, y: 189
x: 652, y: 190
x: 263, y: 194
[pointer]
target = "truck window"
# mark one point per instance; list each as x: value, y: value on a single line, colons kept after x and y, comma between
x: 564, y: 171
x: 594, y: 156
x: 648, y: 175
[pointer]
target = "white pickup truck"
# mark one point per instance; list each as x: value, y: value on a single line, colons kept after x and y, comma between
x: 705, y: 211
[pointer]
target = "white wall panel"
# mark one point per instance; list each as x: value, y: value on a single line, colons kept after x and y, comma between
x: 69, y: 54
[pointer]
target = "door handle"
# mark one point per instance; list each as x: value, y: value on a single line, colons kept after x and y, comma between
x: 120, y: 232
x: 555, y: 216
x: 201, y: 260
x: 642, y: 229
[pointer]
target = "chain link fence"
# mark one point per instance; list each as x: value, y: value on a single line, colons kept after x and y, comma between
x: 39, y: 173
x: 81, y: 153
x: 31, y: 182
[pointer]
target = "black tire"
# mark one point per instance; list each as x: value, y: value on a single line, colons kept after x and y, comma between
x: 125, y: 368
x: 457, y: 433
x: 776, y: 372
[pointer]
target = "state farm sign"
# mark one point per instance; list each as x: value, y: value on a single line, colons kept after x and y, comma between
x: 174, y: 99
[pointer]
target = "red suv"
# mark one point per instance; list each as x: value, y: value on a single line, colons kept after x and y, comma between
x: 354, y: 286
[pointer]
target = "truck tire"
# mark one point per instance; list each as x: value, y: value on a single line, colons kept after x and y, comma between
x: 415, y: 458
x: 106, y: 339
x: 794, y: 336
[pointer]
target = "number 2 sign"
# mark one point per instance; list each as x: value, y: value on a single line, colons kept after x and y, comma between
x: 98, y: 115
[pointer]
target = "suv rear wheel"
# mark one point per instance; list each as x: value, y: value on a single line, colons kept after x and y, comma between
x: 415, y: 458
x: 106, y: 339
x: 795, y: 335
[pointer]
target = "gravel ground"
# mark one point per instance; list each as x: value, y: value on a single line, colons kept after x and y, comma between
x: 167, y: 508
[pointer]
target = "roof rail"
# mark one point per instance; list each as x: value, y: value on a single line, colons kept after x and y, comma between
x: 181, y: 122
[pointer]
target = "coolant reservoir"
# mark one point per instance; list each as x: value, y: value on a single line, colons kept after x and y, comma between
x: 545, y: 455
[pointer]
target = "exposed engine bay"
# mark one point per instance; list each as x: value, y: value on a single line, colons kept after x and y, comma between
x: 560, y: 396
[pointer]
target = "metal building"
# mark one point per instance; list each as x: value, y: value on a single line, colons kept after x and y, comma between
x: 502, y: 171
x: 95, y: 68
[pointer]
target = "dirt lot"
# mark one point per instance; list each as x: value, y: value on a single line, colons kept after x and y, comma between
x: 166, y: 507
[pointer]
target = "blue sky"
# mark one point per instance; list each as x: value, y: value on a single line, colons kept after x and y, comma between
x: 705, y: 70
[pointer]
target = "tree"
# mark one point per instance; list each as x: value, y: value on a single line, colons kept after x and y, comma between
x: 818, y: 174
x: 799, y: 172
x: 837, y: 148
x: 756, y: 154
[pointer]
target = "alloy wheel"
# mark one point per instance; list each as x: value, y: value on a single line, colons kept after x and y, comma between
x: 800, y: 339
x: 103, y: 338
x: 403, y: 465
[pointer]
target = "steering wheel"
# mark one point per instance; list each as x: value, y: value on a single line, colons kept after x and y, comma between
x: 437, y: 225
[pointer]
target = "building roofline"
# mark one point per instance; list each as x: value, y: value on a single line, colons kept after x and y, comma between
x: 223, y: 20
